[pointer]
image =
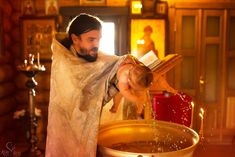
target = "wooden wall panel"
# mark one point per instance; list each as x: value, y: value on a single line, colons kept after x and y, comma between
x: 10, y: 10
x: 6, y: 122
x: 6, y: 89
x: 7, y: 105
x: 6, y: 72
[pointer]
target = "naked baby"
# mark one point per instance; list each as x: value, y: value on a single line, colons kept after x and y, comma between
x: 133, y: 82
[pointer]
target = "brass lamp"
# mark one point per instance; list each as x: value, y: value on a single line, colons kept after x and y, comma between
x: 29, y: 69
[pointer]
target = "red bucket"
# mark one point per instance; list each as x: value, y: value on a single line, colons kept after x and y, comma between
x: 174, y: 108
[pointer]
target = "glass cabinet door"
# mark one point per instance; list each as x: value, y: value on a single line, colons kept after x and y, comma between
x: 187, y: 28
x: 212, y: 69
x: 230, y: 73
x: 200, y: 40
x: 206, y: 40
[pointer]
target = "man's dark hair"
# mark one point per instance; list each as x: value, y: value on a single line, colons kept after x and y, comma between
x: 80, y: 24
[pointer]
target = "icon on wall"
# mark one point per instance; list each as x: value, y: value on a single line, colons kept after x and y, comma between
x: 148, y: 35
x: 51, y: 7
x: 93, y: 2
x: 37, y: 35
x: 28, y: 7
x: 161, y: 8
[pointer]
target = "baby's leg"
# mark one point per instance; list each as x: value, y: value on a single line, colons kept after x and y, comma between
x: 162, y: 84
x: 139, y: 108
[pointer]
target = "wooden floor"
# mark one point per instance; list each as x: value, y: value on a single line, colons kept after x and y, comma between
x: 215, y: 151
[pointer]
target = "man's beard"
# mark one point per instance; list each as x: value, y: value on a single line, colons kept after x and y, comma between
x: 85, y: 55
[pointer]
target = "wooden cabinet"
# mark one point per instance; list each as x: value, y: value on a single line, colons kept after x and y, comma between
x: 206, y: 40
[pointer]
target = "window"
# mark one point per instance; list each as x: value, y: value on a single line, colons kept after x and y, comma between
x: 108, y: 38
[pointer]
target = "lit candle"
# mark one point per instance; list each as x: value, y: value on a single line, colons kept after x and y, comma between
x: 202, y: 111
x: 192, y: 113
x: 38, y: 56
x: 201, y: 114
x: 31, y: 58
x: 25, y: 62
x: 43, y: 68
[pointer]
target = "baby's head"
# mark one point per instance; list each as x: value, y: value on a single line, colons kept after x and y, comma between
x: 140, y: 77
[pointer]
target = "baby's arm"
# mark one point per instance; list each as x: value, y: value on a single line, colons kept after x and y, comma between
x: 116, y: 101
x: 122, y: 77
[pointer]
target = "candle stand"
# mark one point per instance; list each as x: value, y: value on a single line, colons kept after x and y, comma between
x: 30, y: 70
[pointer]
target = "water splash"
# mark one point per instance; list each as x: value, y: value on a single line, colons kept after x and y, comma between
x: 175, y: 144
